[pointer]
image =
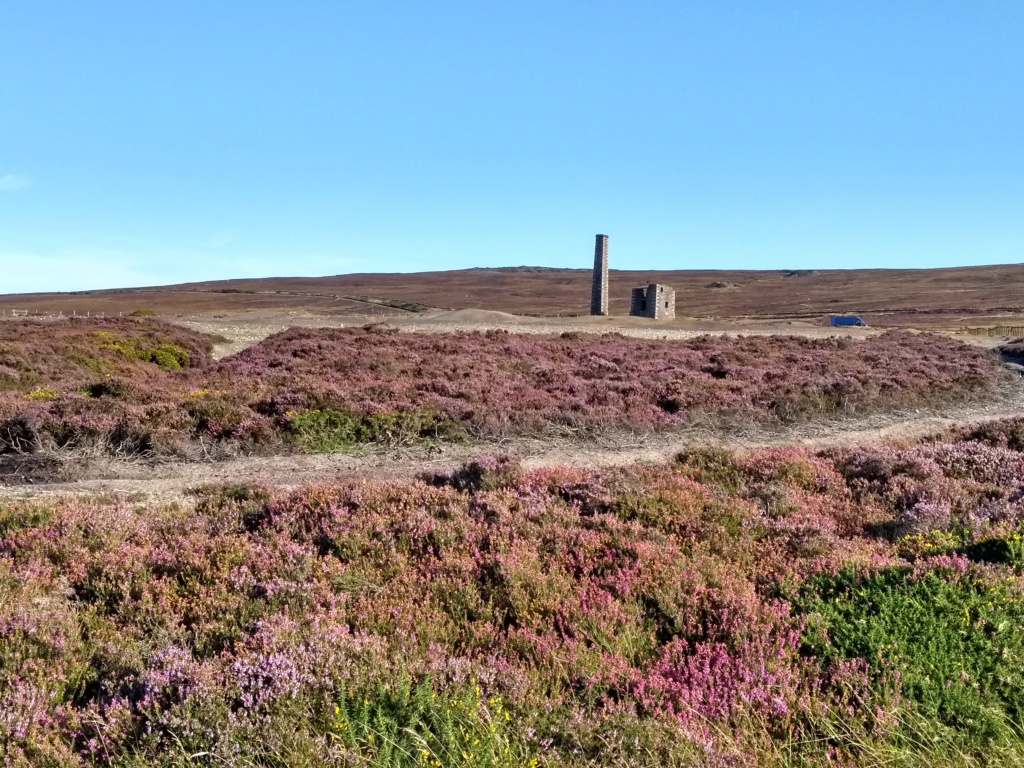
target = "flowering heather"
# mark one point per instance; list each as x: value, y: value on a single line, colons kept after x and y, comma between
x: 79, y: 351
x: 62, y: 382
x: 327, y: 389
x: 497, y: 379
x: 723, y: 610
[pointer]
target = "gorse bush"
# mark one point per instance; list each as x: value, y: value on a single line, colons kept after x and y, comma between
x: 168, y: 357
x: 754, y: 609
x: 1007, y: 549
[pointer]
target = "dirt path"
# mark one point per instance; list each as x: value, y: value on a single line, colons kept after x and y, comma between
x: 243, y: 329
x: 172, y: 480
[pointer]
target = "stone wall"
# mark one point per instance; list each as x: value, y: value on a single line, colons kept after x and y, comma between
x: 638, y: 303
x: 665, y: 302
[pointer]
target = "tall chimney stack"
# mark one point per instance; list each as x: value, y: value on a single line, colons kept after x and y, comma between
x: 599, y: 290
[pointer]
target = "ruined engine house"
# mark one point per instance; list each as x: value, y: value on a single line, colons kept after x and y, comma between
x: 656, y: 301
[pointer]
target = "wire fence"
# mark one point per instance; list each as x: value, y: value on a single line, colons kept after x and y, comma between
x: 56, y: 313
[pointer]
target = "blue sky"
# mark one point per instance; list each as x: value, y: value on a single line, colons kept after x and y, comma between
x: 153, y: 143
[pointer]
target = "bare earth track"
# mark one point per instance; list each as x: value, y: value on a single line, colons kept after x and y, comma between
x: 246, y: 328
x: 172, y: 480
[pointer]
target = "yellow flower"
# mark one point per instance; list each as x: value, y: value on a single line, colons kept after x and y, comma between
x: 42, y: 393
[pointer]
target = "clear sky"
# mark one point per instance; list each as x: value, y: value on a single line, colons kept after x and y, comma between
x: 152, y: 143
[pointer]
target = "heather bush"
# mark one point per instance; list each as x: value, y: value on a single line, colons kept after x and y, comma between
x: 498, y: 381
x: 1005, y: 433
x: 727, y: 609
x: 99, y: 382
x: 72, y: 384
x: 485, y: 473
x: 714, y: 466
x: 66, y: 354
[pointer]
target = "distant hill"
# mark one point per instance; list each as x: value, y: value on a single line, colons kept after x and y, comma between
x: 886, y: 297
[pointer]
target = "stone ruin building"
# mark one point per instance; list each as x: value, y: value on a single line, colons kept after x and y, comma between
x: 657, y: 302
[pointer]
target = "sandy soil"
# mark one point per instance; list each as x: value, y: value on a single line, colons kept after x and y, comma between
x: 242, y: 329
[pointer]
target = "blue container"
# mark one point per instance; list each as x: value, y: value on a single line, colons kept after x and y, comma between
x: 846, y: 321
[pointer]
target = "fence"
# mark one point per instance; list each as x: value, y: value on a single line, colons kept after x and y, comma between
x: 53, y: 313
x: 996, y: 330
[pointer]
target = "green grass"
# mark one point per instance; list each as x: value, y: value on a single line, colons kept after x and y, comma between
x: 951, y: 643
x: 409, y: 724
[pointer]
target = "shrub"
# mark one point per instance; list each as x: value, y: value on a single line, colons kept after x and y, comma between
x: 633, y: 616
x: 42, y: 393
x: 170, y: 357
x: 950, y: 634
x: 167, y: 357
x: 116, y: 388
x: 18, y: 435
x: 713, y: 466
x: 215, y: 416
x: 332, y: 429
x: 486, y: 473
x: 1007, y: 433
x: 999, y: 549
x: 345, y: 387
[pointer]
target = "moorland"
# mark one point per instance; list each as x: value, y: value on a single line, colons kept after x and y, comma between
x: 933, y: 298
x: 141, y: 387
x: 855, y: 604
